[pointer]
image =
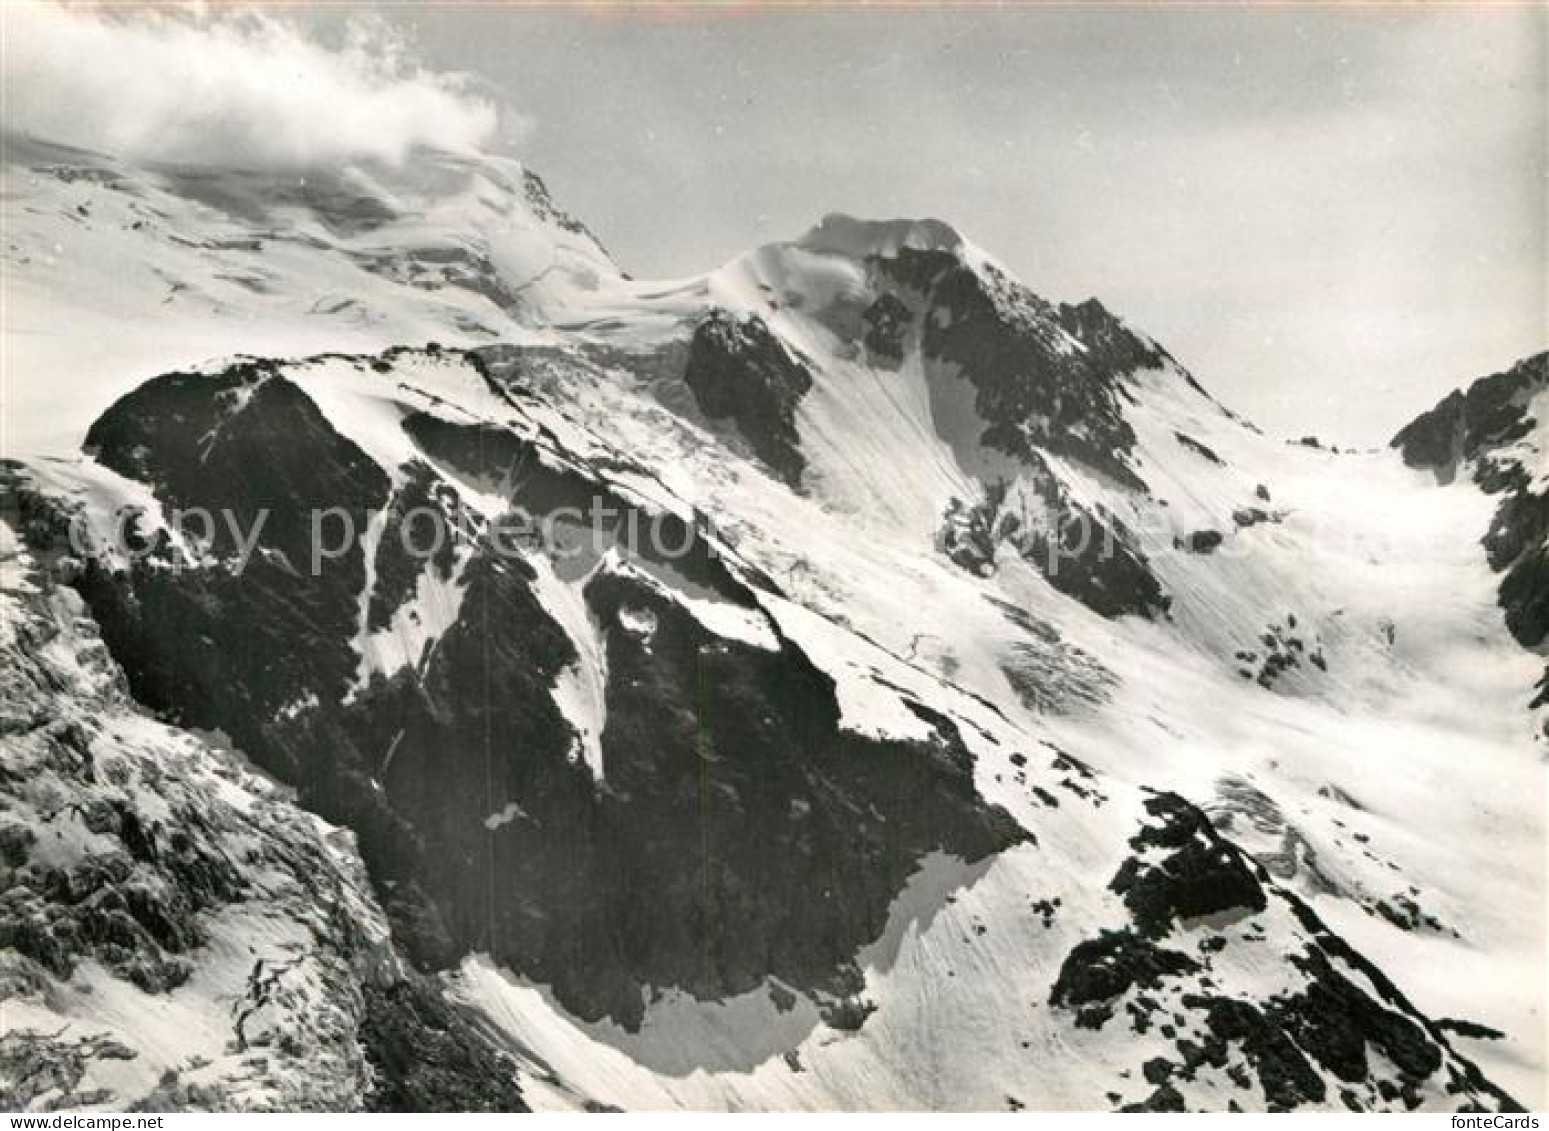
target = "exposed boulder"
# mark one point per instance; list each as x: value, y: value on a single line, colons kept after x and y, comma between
x: 741, y: 372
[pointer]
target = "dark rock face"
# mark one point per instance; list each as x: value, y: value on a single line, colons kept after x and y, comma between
x: 1095, y: 559
x: 1435, y: 439
x: 970, y: 533
x: 428, y: 1057
x: 204, y: 640
x: 169, y: 854
x: 1110, y: 344
x: 1335, y: 1022
x: 1202, y: 874
x: 723, y: 743
x: 1516, y: 545
x: 1283, y: 648
x: 1284, y: 1073
x: 1092, y: 557
x: 1468, y: 424
x: 1472, y: 1029
x: 1385, y: 1019
x: 1203, y: 451
x: 1032, y: 387
x: 740, y: 371
x: 887, y: 327
x: 1165, y: 1098
x: 541, y: 489
x: 33, y: 1066
x: 482, y: 829
x: 136, y: 911
x: 417, y: 510
x: 1476, y: 426
x: 1184, y: 874
x: 1101, y: 969
x: 1045, y: 380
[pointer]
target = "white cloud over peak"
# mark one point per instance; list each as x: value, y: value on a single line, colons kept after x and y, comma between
x: 227, y: 89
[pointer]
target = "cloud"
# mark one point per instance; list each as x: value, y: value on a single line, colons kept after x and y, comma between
x: 227, y: 89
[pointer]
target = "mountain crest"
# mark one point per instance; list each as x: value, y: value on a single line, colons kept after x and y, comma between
x: 841, y: 234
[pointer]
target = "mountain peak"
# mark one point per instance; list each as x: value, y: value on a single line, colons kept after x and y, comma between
x: 841, y: 234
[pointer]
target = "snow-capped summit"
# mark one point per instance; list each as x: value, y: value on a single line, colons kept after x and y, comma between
x: 175, y: 263
x: 839, y: 234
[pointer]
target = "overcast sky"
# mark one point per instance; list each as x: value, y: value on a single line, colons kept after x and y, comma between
x: 1332, y: 216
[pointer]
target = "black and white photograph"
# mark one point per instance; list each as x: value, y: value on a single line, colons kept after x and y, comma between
x: 795, y: 557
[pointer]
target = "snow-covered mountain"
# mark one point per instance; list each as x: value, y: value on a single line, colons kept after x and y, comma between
x: 845, y: 678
